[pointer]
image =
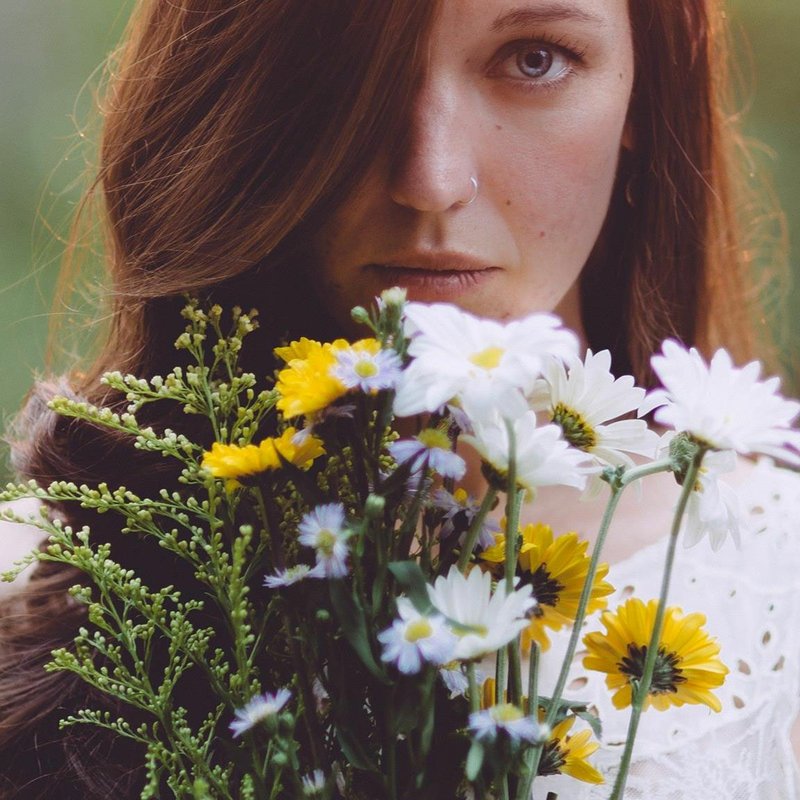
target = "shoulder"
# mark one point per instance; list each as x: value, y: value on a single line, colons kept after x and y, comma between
x: 17, y: 540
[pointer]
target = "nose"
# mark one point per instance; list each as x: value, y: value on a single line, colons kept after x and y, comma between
x: 434, y: 169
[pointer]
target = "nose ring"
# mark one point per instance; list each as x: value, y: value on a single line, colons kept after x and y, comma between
x: 474, y: 183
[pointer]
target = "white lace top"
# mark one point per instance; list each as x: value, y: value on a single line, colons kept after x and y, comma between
x: 751, y: 598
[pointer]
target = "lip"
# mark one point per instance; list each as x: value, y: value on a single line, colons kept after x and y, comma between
x: 434, y: 274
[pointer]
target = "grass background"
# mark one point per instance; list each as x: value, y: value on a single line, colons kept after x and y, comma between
x: 50, y: 49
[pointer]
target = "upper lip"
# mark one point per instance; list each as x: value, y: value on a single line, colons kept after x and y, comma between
x: 435, y: 261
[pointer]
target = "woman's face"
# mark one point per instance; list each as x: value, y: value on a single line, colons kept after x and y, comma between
x: 529, y: 98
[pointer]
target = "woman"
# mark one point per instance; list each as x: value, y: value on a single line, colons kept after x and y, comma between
x: 301, y: 156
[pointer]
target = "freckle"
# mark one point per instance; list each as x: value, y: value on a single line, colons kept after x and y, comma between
x: 508, y: 202
x: 542, y: 234
x: 500, y: 127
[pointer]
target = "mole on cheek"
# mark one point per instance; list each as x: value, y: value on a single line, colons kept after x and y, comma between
x: 500, y: 127
x: 508, y: 202
x: 542, y: 234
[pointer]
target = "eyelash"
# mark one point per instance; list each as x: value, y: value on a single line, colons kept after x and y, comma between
x: 572, y: 52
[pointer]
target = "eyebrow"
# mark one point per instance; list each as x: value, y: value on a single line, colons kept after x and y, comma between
x: 551, y: 12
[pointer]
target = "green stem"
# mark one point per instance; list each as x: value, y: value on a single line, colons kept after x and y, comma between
x: 475, y: 528
x: 474, y: 696
x: 534, y: 755
x: 533, y: 682
x: 515, y: 672
x: 642, y: 690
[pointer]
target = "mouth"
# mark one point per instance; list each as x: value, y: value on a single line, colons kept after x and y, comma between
x: 434, y: 273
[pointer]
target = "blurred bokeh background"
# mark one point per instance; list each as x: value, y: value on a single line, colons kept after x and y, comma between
x: 51, y: 52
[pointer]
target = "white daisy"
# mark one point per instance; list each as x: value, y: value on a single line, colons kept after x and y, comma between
x: 506, y: 719
x: 484, y: 622
x: 258, y: 709
x: 324, y: 530
x: 459, y: 510
x: 313, y: 784
x: 582, y: 397
x: 713, y: 508
x: 415, y: 638
x: 456, y: 356
x: 431, y: 447
x: 543, y: 457
x: 724, y: 406
x: 359, y: 368
x: 288, y: 577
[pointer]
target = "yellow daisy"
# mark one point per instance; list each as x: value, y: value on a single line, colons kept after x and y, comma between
x: 687, y: 667
x: 562, y: 753
x: 307, y: 385
x: 556, y: 567
x: 567, y: 754
x: 317, y: 375
x: 233, y: 463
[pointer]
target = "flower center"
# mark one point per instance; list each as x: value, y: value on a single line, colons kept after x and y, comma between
x: 666, y: 673
x: 577, y: 430
x: 506, y: 712
x: 552, y: 758
x: 488, y: 358
x: 546, y: 589
x: 326, y: 539
x: 365, y: 368
x: 418, y: 629
x: 434, y: 438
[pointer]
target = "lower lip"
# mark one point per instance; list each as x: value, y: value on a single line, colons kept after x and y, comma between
x: 433, y: 282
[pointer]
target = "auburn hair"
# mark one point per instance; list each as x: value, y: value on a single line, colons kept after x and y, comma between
x: 230, y: 128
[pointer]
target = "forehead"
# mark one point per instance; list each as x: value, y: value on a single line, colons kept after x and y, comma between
x: 501, y: 15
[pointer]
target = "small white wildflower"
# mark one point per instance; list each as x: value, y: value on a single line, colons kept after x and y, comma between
x: 459, y: 510
x: 505, y: 719
x: 313, y: 784
x: 324, y: 530
x: 414, y: 638
x: 455, y: 679
x: 258, y: 709
x: 367, y: 371
x: 431, y: 447
x: 289, y: 577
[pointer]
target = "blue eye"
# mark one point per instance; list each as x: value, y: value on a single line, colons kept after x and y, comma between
x: 539, y: 61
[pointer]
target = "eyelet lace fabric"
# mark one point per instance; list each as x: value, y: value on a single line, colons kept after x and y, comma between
x: 751, y: 598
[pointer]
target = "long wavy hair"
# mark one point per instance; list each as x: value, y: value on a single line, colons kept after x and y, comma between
x: 229, y: 129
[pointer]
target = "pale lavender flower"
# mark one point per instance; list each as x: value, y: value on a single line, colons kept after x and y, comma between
x: 431, y: 447
x: 288, y: 577
x: 358, y: 368
x: 324, y: 530
x: 459, y: 510
x: 258, y: 709
x: 506, y: 719
x: 415, y: 638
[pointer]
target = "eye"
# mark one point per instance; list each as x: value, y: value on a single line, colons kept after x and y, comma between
x: 539, y: 63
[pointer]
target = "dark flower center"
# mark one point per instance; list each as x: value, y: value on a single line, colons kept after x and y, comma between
x: 666, y: 673
x: 552, y: 759
x: 546, y: 589
x: 577, y: 430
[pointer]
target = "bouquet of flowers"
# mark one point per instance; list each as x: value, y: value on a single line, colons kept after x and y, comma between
x: 361, y: 625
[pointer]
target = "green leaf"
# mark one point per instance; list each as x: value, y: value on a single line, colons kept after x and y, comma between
x: 353, y: 751
x: 354, y: 626
x: 411, y: 579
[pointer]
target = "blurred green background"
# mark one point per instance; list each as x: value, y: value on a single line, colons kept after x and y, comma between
x: 49, y: 49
